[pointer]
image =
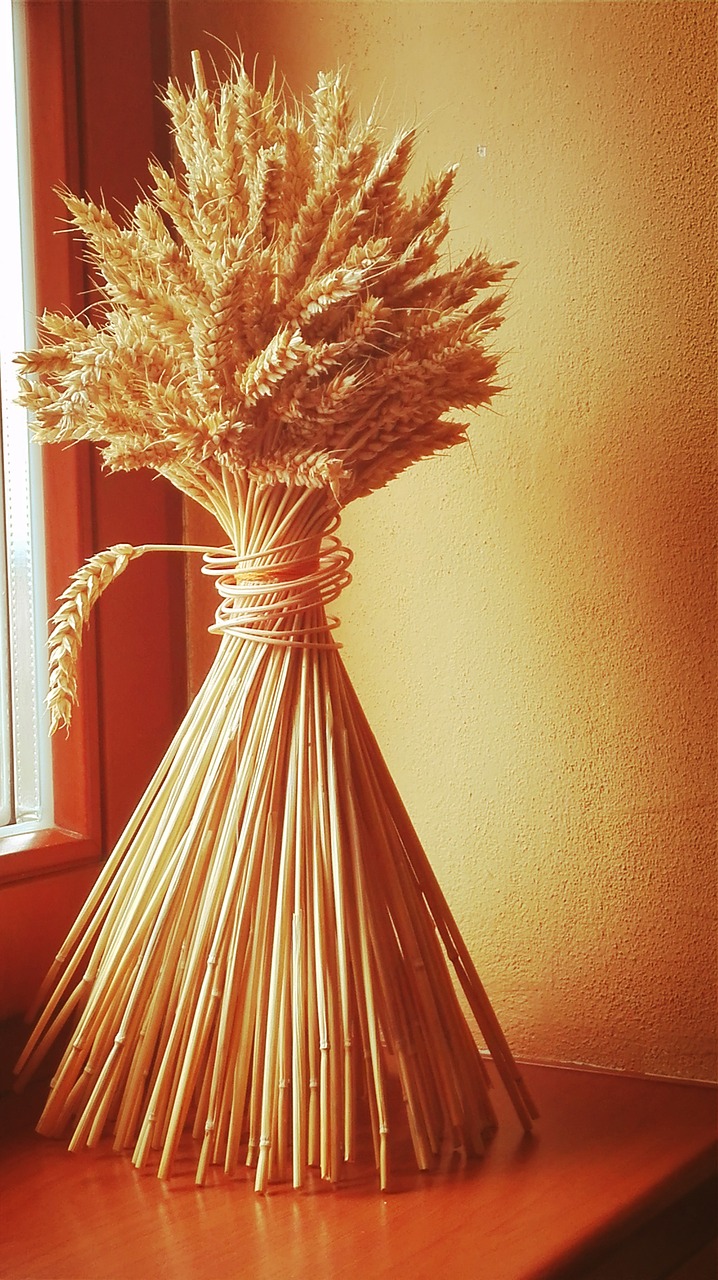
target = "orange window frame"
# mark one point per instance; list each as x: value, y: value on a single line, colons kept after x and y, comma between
x: 92, y: 74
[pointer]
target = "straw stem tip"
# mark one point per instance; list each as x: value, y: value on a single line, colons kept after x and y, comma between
x: 198, y: 72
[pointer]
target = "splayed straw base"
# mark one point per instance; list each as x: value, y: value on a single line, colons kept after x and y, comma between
x: 267, y: 943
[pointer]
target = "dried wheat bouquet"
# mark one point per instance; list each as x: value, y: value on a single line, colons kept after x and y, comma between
x: 262, y: 953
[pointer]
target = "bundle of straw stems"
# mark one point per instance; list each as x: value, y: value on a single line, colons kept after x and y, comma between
x: 267, y: 943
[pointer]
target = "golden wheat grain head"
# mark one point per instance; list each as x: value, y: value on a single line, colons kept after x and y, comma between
x: 279, y: 297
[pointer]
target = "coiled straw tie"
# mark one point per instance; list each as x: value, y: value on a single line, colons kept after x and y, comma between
x: 278, y: 596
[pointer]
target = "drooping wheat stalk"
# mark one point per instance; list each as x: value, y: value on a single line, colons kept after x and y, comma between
x: 86, y: 587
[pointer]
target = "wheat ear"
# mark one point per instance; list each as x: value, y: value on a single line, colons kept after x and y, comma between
x: 86, y: 587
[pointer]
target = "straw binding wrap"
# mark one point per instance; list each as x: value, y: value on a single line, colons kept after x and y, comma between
x: 265, y: 595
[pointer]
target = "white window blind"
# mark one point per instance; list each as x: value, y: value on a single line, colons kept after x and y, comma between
x: 25, y: 800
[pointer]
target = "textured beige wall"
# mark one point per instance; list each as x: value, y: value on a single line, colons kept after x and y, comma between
x: 531, y: 624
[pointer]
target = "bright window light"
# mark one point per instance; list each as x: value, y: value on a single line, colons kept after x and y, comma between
x: 25, y: 799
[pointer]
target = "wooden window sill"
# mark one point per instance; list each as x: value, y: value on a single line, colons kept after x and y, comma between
x: 615, y: 1185
x: 31, y: 854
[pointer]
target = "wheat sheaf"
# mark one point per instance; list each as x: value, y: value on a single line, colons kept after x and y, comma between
x: 264, y: 954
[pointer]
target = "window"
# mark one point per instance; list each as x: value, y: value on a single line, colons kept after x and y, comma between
x: 25, y: 799
x: 78, y: 65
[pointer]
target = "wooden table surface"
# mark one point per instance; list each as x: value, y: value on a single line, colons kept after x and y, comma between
x: 608, y: 1152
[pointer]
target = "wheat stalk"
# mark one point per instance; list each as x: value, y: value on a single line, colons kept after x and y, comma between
x: 67, y: 625
x: 70, y: 619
